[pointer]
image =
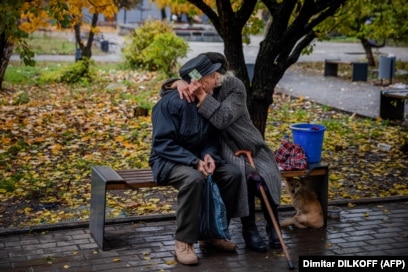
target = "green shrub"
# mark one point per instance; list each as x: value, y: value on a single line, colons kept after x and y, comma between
x: 162, y: 52
x: 154, y: 47
x: 78, y: 72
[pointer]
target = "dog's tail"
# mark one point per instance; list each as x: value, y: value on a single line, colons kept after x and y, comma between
x: 287, y: 222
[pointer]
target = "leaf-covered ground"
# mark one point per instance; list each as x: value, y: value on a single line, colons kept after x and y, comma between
x: 51, y: 136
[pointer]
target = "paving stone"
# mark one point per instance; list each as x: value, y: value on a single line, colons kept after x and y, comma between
x: 150, y: 246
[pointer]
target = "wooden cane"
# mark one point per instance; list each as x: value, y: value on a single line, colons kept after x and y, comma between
x: 248, y: 154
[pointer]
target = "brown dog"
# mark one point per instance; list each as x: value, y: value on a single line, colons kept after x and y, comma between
x: 309, y: 213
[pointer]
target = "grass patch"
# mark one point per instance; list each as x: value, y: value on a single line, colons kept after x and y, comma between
x: 47, y: 44
x: 18, y: 73
x: 345, y: 71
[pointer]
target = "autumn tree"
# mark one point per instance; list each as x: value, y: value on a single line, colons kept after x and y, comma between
x: 18, y: 18
x: 291, y: 29
x: 15, y: 22
x: 373, y: 22
x: 95, y: 8
x: 127, y: 4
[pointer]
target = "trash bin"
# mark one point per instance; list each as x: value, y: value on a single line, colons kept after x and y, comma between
x: 310, y: 137
x: 392, y: 104
x: 78, y: 54
x: 386, y: 67
x: 105, y: 46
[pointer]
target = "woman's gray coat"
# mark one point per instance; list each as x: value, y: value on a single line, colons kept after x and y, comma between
x: 228, y: 112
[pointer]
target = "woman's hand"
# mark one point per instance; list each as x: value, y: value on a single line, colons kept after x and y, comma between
x: 196, y: 90
x: 182, y: 88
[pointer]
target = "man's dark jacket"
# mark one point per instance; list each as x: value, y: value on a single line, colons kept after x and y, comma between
x: 180, y: 136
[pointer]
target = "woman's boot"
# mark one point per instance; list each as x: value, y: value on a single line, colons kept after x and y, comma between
x: 273, y: 237
x: 250, y: 231
x: 270, y: 230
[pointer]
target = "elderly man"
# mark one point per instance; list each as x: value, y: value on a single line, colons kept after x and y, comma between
x: 185, y: 149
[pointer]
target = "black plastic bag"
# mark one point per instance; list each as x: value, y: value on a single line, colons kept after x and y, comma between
x: 213, y: 214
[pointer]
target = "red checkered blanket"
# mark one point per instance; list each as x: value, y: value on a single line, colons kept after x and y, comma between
x: 290, y: 156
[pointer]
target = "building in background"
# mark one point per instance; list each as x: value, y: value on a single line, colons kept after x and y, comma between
x: 191, y: 29
x: 145, y: 10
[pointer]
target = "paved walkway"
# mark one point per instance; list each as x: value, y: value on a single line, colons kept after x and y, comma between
x: 362, y: 98
x: 366, y: 229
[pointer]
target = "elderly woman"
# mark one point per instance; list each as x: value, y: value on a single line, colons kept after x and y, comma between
x: 226, y: 109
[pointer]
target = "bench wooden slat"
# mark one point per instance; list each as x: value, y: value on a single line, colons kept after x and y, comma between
x: 133, y: 179
x: 143, y: 178
x: 301, y: 173
x: 339, y: 62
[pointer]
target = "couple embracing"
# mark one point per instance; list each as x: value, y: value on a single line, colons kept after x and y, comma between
x: 199, y: 124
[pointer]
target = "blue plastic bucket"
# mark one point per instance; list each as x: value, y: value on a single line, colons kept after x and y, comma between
x: 310, y: 137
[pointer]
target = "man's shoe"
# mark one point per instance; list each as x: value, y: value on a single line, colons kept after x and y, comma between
x: 185, y: 253
x: 223, y: 244
x: 254, y: 241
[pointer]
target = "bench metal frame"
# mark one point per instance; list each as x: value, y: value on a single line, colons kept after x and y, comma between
x: 104, y: 179
x: 359, y: 72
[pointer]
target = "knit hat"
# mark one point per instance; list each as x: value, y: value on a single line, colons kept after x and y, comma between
x: 202, y: 64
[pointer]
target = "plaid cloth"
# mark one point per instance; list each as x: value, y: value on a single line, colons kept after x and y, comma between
x: 291, y: 156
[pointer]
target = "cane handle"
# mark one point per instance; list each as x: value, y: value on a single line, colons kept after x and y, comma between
x: 248, y: 154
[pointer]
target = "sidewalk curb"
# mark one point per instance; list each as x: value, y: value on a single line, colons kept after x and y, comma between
x: 165, y: 217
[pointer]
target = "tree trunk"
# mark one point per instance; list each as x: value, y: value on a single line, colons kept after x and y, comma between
x: 86, y: 49
x: 6, y: 49
x: 286, y: 38
x: 290, y: 31
x: 368, y: 51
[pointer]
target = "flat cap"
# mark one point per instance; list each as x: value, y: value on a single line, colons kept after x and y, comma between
x: 201, y: 63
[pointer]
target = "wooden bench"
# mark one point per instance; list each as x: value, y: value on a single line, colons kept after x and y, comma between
x: 359, y: 72
x: 104, y: 179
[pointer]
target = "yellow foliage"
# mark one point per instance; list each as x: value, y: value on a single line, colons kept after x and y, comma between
x: 37, y: 14
x: 31, y: 22
x: 171, y: 262
x: 27, y: 210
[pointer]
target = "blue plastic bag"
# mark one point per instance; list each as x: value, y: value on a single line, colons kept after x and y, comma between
x: 213, y: 214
